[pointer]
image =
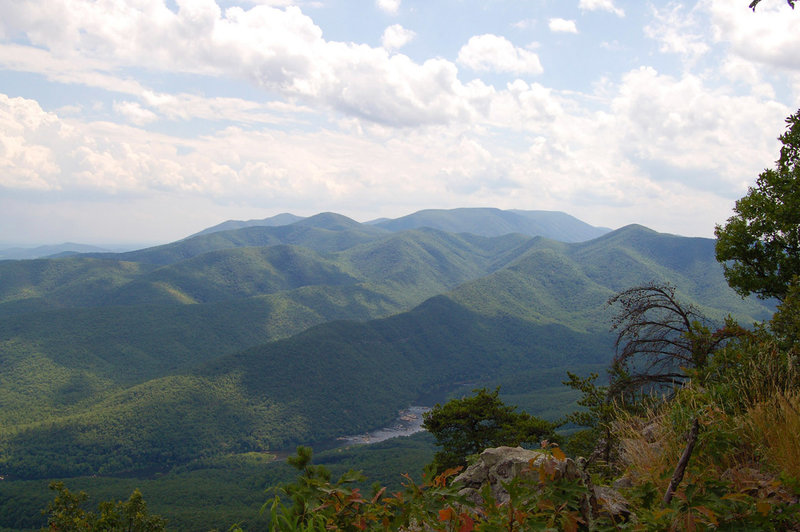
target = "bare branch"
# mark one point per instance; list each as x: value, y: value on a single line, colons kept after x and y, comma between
x: 658, y: 338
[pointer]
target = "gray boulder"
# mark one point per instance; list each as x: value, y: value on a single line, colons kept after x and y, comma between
x: 502, y: 464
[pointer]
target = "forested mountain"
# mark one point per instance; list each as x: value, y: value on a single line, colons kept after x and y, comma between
x: 264, y: 337
x: 495, y: 222
x: 279, y: 219
x: 478, y: 221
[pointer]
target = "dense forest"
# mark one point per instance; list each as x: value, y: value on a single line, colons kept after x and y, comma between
x: 696, y: 428
x: 182, y: 370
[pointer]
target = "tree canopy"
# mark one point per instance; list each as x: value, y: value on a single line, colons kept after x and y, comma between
x: 759, y: 246
x: 463, y: 427
x: 66, y: 513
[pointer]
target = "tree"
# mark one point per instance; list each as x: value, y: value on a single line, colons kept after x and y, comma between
x: 658, y: 339
x: 66, y: 513
x: 464, y: 427
x: 317, y: 503
x: 598, y: 415
x: 759, y: 247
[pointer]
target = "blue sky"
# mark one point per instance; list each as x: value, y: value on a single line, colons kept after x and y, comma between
x: 143, y: 121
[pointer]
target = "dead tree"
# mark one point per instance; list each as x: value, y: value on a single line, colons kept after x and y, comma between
x: 658, y: 339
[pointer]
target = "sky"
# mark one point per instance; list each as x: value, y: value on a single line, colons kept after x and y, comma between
x: 131, y: 122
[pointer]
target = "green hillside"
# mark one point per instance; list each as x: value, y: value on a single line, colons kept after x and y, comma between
x: 66, y: 282
x: 53, y: 360
x: 477, y: 221
x: 117, y: 367
x: 279, y: 219
x: 411, y: 266
x: 233, y: 274
x: 543, y: 312
x: 334, y: 379
x: 495, y: 222
x: 325, y: 232
x: 570, y: 283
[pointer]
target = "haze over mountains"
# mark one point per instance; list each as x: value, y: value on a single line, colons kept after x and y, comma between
x: 479, y: 221
x: 71, y: 248
x: 266, y: 335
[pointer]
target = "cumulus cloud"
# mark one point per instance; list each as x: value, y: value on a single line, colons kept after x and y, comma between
x: 280, y: 50
x: 601, y: 5
x: 768, y: 36
x: 390, y: 6
x: 560, y: 25
x: 44, y: 152
x: 26, y: 161
x: 686, y: 125
x: 496, y: 53
x: 401, y: 132
x: 396, y: 36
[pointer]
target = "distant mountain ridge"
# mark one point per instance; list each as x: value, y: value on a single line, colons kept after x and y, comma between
x: 56, y: 250
x: 265, y: 336
x: 487, y: 222
x: 495, y: 222
x: 475, y: 220
x: 279, y: 219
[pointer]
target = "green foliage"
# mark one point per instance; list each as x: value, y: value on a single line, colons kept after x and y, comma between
x: 110, y: 366
x: 785, y: 323
x: 597, y: 415
x: 165, y: 422
x: 73, y: 281
x: 465, y: 427
x: 759, y: 246
x: 66, y: 513
x: 539, y: 499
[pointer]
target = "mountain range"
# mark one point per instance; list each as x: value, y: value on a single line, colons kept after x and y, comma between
x: 255, y: 336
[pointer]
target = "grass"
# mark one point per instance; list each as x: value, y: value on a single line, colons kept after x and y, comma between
x: 775, y: 424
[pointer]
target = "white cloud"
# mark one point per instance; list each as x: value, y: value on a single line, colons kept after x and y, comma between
x: 26, y: 161
x: 390, y: 6
x: 135, y: 113
x: 41, y: 151
x: 678, y: 31
x: 350, y: 125
x: 601, y: 5
x: 69, y: 70
x: 496, y: 53
x: 684, y: 125
x: 739, y: 70
x: 769, y: 36
x: 396, y: 36
x: 560, y: 25
x: 280, y: 50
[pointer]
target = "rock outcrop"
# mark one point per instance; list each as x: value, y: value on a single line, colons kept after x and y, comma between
x: 500, y: 465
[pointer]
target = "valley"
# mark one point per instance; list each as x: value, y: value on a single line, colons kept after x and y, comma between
x: 249, y: 337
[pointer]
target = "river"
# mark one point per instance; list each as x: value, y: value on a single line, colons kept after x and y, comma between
x: 408, y: 422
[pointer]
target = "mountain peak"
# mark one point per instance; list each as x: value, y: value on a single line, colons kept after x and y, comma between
x: 330, y: 221
x: 284, y: 218
x: 485, y: 221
